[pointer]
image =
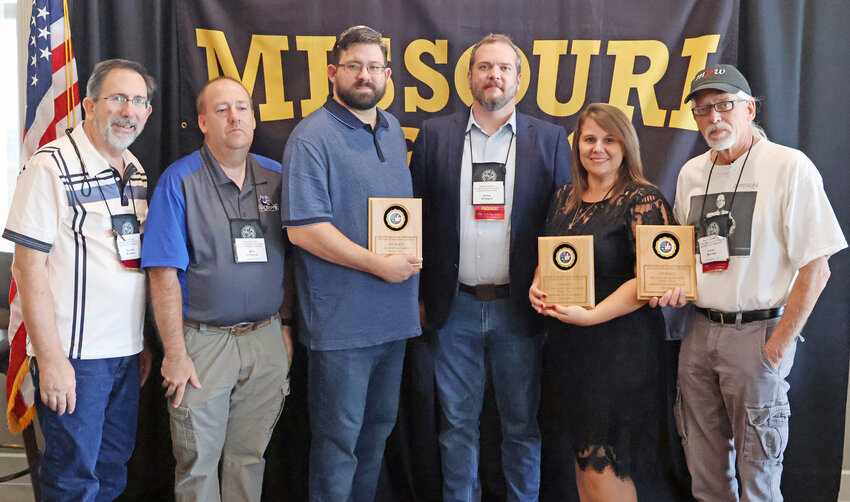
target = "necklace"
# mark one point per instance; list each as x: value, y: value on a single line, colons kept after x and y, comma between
x: 592, y: 205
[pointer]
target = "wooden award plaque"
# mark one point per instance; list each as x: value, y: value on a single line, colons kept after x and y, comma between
x: 395, y: 226
x: 566, y: 270
x: 664, y: 260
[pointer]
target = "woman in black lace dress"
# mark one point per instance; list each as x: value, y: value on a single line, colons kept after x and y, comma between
x: 602, y: 365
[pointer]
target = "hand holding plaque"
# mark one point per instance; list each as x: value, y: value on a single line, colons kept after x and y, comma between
x: 566, y: 270
x: 395, y: 226
x: 665, y: 260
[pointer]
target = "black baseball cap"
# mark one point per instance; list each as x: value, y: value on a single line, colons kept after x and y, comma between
x: 723, y: 77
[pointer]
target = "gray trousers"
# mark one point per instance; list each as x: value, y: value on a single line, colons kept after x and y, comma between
x: 733, y: 404
x: 244, y: 380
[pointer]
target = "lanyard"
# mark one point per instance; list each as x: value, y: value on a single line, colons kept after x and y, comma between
x: 97, y: 180
x: 705, y: 195
x: 249, y: 172
x: 507, y: 155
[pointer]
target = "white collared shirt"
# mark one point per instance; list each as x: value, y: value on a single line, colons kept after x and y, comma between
x: 64, y: 211
x: 485, y: 245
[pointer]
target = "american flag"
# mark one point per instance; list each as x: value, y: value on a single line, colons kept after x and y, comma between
x: 53, y: 104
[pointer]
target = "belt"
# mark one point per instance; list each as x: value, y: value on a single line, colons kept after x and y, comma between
x: 235, y: 330
x: 486, y: 292
x: 746, y: 316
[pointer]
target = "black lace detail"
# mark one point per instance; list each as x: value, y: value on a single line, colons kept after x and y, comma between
x: 603, y: 384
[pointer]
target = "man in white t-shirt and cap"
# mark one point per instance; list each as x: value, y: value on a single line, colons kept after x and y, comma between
x: 756, y: 287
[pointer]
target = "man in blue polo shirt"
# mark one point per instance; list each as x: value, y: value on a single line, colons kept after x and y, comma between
x: 357, y: 308
x: 214, y: 251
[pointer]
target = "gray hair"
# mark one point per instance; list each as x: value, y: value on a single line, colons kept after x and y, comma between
x: 758, y: 131
x: 98, y: 75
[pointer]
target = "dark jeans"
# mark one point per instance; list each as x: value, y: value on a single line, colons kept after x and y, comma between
x: 353, y: 401
x: 86, y: 452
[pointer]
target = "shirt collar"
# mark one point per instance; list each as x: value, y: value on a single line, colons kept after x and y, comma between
x: 510, y: 123
x: 345, y: 116
x: 215, y: 170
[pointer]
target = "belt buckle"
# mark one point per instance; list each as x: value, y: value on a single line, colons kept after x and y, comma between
x: 241, y: 328
x: 485, y: 292
x: 715, y: 316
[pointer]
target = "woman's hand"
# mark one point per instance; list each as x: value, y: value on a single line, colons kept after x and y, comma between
x: 571, y: 315
x: 535, y: 295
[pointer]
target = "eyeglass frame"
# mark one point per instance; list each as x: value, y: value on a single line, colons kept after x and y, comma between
x: 708, y: 108
x: 122, y: 100
x: 354, y: 68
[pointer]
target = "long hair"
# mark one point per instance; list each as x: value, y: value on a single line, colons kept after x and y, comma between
x: 615, y: 123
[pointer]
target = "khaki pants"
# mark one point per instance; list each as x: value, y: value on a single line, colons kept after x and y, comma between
x: 244, y: 380
x: 733, y: 406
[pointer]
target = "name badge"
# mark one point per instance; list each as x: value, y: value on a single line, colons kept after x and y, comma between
x: 249, y: 245
x: 488, y: 183
x: 128, y: 240
x: 714, y: 253
x: 496, y: 213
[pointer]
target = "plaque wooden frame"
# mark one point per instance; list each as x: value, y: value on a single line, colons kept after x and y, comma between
x: 395, y: 226
x: 565, y: 267
x: 665, y: 259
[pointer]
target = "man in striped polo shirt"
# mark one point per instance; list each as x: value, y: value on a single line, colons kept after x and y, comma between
x: 76, y: 221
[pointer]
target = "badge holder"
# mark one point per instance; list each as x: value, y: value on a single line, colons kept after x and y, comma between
x: 249, y: 245
x: 714, y: 247
x: 488, y: 190
x: 128, y: 240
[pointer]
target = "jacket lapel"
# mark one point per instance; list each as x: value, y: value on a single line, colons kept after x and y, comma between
x: 525, y: 139
x: 452, y: 162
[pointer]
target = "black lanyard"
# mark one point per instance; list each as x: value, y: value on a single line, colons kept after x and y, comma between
x: 97, y: 181
x: 507, y: 155
x: 248, y: 171
x: 705, y: 195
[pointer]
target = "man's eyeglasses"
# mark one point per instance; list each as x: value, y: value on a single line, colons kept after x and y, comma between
x: 119, y: 101
x: 355, y: 68
x: 723, y: 106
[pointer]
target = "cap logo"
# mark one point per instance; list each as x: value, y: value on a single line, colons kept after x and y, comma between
x: 707, y: 73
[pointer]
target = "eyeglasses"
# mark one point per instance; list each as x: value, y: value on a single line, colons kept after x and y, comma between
x: 121, y: 100
x: 721, y: 107
x: 355, y: 68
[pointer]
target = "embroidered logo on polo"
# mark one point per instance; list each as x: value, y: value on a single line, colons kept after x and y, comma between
x: 564, y: 257
x: 265, y: 204
x: 395, y: 217
x: 665, y: 246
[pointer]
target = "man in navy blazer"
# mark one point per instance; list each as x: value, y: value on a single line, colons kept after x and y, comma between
x: 485, y: 177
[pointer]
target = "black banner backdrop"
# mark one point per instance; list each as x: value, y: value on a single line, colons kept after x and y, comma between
x: 788, y: 50
x: 574, y: 53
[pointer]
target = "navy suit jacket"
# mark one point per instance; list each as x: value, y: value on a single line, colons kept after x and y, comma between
x: 542, y: 166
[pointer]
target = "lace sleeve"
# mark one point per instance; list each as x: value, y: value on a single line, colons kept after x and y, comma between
x: 557, y: 203
x: 648, y: 207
